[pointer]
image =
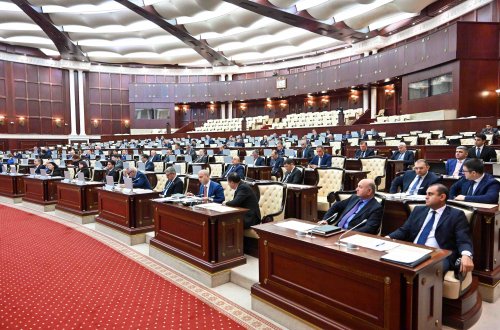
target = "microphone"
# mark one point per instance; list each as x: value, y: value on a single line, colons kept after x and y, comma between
x: 332, y: 218
x: 348, y: 245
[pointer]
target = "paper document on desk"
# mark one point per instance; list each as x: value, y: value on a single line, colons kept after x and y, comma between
x: 296, y: 225
x: 407, y: 255
x: 217, y: 207
x: 478, y: 205
x: 370, y: 242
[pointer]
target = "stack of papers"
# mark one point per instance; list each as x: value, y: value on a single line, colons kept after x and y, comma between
x: 296, y: 225
x: 370, y: 242
x: 407, y: 255
x: 217, y: 207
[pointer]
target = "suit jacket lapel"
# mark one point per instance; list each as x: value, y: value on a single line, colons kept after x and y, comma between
x: 444, y: 216
x: 421, y: 220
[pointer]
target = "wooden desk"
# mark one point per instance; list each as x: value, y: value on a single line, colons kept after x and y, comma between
x: 310, y: 177
x: 207, y: 239
x: 259, y: 172
x: 393, y: 167
x: 25, y: 168
x: 302, y: 202
x: 41, y: 191
x: 129, y: 213
x: 330, y: 287
x: 352, y: 178
x: 12, y: 186
x: 78, y: 199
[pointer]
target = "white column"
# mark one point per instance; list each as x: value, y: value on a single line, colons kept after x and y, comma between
x: 223, y: 111
x: 72, y: 101
x: 229, y: 77
x: 81, y: 103
x: 230, y: 110
x: 222, y: 77
x: 373, y: 105
x: 366, y: 99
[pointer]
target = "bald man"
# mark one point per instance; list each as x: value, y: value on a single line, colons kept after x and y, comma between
x: 235, y: 167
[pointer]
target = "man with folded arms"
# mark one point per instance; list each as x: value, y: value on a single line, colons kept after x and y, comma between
x: 357, y: 208
x: 292, y: 174
x: 174, y: 185
x: 209, y: 189
x: 475, y: 186
x: 454, y: 166
x: 415, y: 182
x: 439, y: 226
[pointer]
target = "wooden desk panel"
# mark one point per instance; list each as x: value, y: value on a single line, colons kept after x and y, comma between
x: 78, y: 199
x: 210, y: 240
x: 128, y: 213
x: 41, y: 191
x: 352, y: 289
x: 11, y: 186
x: 302, y: 202
x: 259, y: 172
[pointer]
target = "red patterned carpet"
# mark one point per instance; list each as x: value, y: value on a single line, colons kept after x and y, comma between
x: 53, y: 276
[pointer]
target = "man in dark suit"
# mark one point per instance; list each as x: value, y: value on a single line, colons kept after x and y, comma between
x: 139, y: 180
x: 118, y: 162
x: 362, y: 134
x: 292, y: 174
x: 280, y: 149
x: 363, y: 151
x: 481, y: 150
x: 306, y: 152
x: 475, y: 186
x: 38, y: 165
x: 202, y: 157
x: 210, y: 189
x: 258, y: 160
x: 352, y: 211
x: 454, y: 166
x: 174, y: 185
x: 239, y: 143
x: 244, y: 197
x: 149, y: 166
x: 403, y: 154
x: 322, y: 159
x: 111, y: 171
x: 489, y: 130
x: 415, y: 182
x: 190, y: 151
x: 314, y: 135
x: 155, y: 157
x: 276, y: 162
x: 439, y: 226
x: 235, y: 167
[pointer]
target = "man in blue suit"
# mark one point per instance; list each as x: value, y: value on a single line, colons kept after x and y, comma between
x: 322, y: 159
x: 257, y: 160
x: 306, y: 151
x: 475, y: 186
x: 403, y: 154
x: 454, y: 166
x: 149, y: 166
x: 139, y: 180
x: 276, y: 163
x: 210, y: 189
x: 363, y: 151
x: 415, y: 182
x: 235, y: 167
x: 440, y: 226
x: 155, y: 157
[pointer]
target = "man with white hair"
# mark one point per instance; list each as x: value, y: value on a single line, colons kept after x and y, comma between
x: 139, y: 179
x: 403, y: 154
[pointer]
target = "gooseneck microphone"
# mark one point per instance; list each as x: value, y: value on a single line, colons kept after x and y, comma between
x: 348, y: 245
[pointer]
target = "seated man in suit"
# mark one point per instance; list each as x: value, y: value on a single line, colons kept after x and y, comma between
x: 363, y: 151
x: 174, y: 185
x: 415, y: 182
x: 209, y: 190
x: 454, y: 166
x: 244, y: 197
x: 292, y: 174
x: 149, y: 166
x: 276, y: 162
x: 352, y: 211
x: 314, y: 135
x: 264, y: 142
x: 404, y: 154
x: 306, y: 152
x: 111, y: 171
x: 440, y: 226
x: 362, y: 134
x: 190, y: 151
x: 235, y: 167
x: 139, y: 180
x: 489, y: 130
x: 475, y: 186
x: 118, y: 162
x: 280, y: 149
x: 347, y: 135
x: 202, y: 157
x: 239, y: 143
x: 258, y: 160
x: 38, y: 165
x: 155, y: 157
x: 322, y: 159
x: 481, y: 150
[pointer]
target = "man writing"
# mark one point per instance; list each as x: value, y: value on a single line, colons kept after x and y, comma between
x: 244, y: 197
x: 139, y: 180
x: 292, y: 174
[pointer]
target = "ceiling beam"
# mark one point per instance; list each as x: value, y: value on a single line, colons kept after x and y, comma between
x: 148, y: 12
x: 301, y: 19
x: 63, y: 43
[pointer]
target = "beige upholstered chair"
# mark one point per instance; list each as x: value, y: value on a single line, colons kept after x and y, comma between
x: 336, y: 145
x: 353, y: 142
x: 411, y: 140
x: 228, y: 192
x: 440, y: 142
x: 159, y: 166
x: 338, y: 161
x: 92, y: 163
x: 467, y: 141
x: 161, y: 179
x: 216, y: 169
x: 498, y: 155
x: 392, y: 142
x: 219, y: 158
x: 57, y: 161
x: 330, y: 180
x: 71, y: 171
x: 376, y: 166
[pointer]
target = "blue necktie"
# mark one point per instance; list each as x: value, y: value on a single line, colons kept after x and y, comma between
x: 415, y: 185
x: 427, y: 229
x: 166, y: 188
x: 478, y: 152
x: 401, y: 156
x: 348, y: 217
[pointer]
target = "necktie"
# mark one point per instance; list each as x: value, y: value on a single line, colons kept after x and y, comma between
x: 304, y: 153
x: 285, y: 179
x: 363, y: 154
x: 230, y: 170
x: 166, y: 188
x: 457, y: 168
x: 344, y: 222
x: 205, y: 191
x: 470, y: 191
x: 401, y: 156
x: 427, y: 229
x: 319, y: 161
x: 415, y: 185
x: 478, y: 152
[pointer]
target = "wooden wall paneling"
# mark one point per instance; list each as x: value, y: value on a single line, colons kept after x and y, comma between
x: 478, y: 82
x: 472, y: 47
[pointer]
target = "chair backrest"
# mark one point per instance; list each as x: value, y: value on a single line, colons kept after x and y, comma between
x: 161, y: 180
x: 353, y: 141
x: 182, y: 166
x: 438, y: 142
x: 412, y: 140
x: 329, y: 179
x: 272, y: 199
x: 498, y: 155
x: 71, y: 171
x: 338, y: 161
x: 467, y: 141
x: 468, y: 211
x: 228, y: 192
x: 392, y: 142
x: 377, y: 167
x: 219, y: 158
x: 216, y: 169
x: 159, y: 166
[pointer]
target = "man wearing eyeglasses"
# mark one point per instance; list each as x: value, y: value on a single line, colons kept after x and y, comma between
x: 475, y: 186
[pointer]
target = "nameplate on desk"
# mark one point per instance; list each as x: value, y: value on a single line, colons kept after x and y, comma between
x: 127, y: 191
x: 109, y: 187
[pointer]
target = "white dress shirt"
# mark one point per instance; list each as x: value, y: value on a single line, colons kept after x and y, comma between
x: 431, y: 239
x: 458, y: 166
x: 415, y: 179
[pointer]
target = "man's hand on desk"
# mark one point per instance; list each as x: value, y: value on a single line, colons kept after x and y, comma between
x: 467, y: 265
x: 322, y: 222
x: 460, y: 198
x: 189, y: 194
x: 224, y: 203
x: 312, y: 166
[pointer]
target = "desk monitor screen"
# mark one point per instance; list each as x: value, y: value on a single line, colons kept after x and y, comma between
x: 126, y: 165
x: 188, y: 158
x: 98, y: 165
x: 496, y: 169
x: 4, y: 168
x: 141, y: 167
x: 267, y: 152
x: 80, y: 177
x: 110, y: 180
x: 177, y: 152
x: 249, y: 160
x: 66, y: 175
x: 177, y: 168
x: 164, y: 152
x: 290, y: 152
x: 354, y: 134
x: 210, y: 152
x: 337, y: 137
x: 231, y: 144
x: 13, y: 169
x: 171, y: 158
x: 228, y: 159
x: 128, y: 183
x: 226, y: 152
x: 92, y: 156
x: 43, y: 172
x: 196, y: 169
x: 32, y: 171
x: 128, y: 157
x: 62, y: 164
x: 24, y: 161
